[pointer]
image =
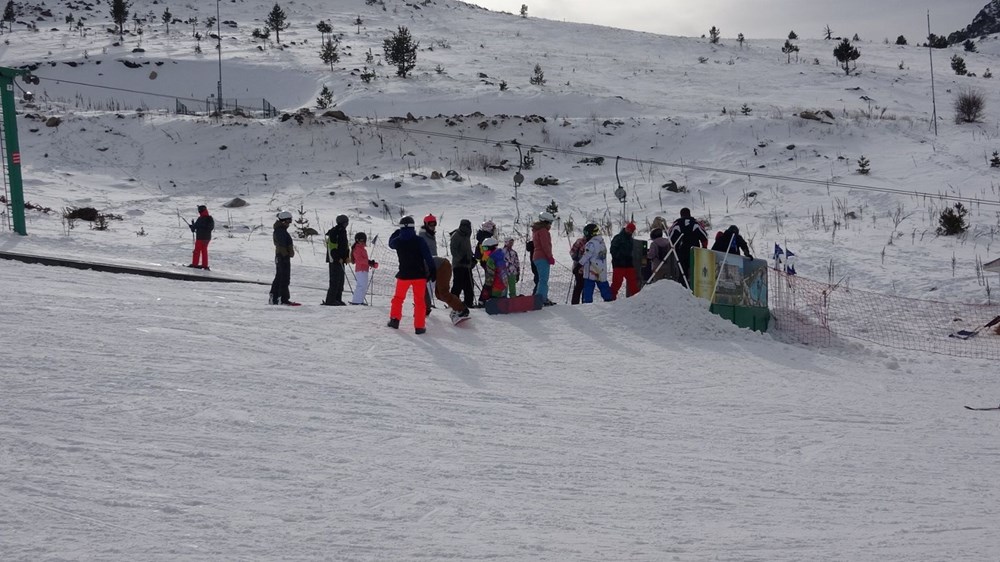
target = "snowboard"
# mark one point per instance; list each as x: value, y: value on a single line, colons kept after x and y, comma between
x: 983, y: 409
x: 514, y: 304
x: 456, y: 319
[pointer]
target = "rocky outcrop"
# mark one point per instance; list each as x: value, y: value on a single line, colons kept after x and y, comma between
x: 987, y: 21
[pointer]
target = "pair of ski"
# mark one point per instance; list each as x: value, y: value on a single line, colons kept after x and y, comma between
x: 982, y: 409
x: 966, y: 334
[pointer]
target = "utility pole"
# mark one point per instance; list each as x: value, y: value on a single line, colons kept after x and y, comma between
x: 218, y: 33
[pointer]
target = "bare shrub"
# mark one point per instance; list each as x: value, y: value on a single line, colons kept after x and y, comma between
x: 970, y: 104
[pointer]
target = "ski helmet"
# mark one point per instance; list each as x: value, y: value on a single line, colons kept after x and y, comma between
x: 430, y: 220
x: 406, y: 221
x: 488, y: 226
x: 342, y: 220
x: 284, y: 216
x: 591, y: 230
x: 546, y: 216
x: 490, y: 242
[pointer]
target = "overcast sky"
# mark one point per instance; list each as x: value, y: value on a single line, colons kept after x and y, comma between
x: 870, y: 19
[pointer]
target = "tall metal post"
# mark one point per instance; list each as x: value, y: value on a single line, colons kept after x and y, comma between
x: 218, y: 32
x: 930, y: 51
x: 7, y: 76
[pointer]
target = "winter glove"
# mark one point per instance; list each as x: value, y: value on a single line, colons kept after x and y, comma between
x: 577, y: 269
x: 373, y: 264
x: 191, y: 226
x: 552, y: 261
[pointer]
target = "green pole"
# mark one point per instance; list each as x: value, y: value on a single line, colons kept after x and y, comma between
x: 7, y: 76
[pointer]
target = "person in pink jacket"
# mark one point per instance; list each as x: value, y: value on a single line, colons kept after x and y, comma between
x: 542, y: 255
x: 362, y: 265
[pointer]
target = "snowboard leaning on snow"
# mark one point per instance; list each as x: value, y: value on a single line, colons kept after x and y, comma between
x: 514, y: 304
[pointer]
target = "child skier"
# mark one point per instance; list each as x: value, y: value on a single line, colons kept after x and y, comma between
x: 362, y: 265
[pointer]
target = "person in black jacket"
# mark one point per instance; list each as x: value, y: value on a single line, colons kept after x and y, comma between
x: 415, y: 266
x: 284, y: 251
x: 686, y: 234
x: 202, y: 228
x: 337, y: 253
x: 731, y: 242
x: 463, y: 260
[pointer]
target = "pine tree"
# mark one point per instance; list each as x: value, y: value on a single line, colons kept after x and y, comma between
x: 788, y: 49
x: 969, y: 46
x: 951, y: 221
x: 740, y: 39
x: 863, y: 166
x: 325, y: 98
x: 713, y: 35
x: 792, y: 36
x: 9, y: 15
x: 995, y: 161
x: 524, y: 10
x: 401, y: 51
x: 845, y: 54
x: 539, y: 78
x: 323, y: 28
x: 958, y: 65
x: 119, y: 15
x: 167, y: 17
x: 901, y: 40
x: 328, y: 54
x: 278, y: 21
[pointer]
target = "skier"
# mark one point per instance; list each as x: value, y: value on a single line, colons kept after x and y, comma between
x: 415, y: 266
x: 622, y: 262
x: 284, y: 251
x: 513, y: 266
x: 337, y: 254
x: 362, y: 265
x: 659, y: 250
x: 202, y: 228
x: 486, y: 230
x: 685, y: 234
x: 575, y: 253
x: 542, y: 254
x: 427, y: 235
x: 731, y: 242
x: 594, y: 263
x: 464, y: 260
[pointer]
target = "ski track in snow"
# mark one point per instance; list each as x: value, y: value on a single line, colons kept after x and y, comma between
x: 157, y: 420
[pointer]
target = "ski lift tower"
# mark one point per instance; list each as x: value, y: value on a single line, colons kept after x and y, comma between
x: 10, y: 152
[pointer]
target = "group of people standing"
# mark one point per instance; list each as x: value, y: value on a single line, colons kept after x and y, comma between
x: 427, y: 275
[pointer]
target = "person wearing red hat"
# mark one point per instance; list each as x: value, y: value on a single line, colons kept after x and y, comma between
x: 623, y: 263
x: 428, y: 235
x: 202, y: 229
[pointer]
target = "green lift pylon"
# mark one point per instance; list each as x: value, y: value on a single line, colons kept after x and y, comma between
x: 7, y: 76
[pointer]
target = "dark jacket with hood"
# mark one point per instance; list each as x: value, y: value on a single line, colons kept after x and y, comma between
x: 731, y: 241
x: 203, y: 226
x: 621, y: 250
x: 415, y: 260
x: 337, y: 246
x: 461, y: 246
x: 283, y: 246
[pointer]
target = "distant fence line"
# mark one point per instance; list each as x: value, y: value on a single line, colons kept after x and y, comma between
x: 232, y: 106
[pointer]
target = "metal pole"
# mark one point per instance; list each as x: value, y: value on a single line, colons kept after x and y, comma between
x: 218, y: 32
x: 7, y: 76
x: 930, y: 52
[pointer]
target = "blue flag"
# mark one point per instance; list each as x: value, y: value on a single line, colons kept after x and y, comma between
x: 789, y: 263
x: 777, y: 251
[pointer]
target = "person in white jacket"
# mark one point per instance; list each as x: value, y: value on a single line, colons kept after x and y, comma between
x: 594, y: 264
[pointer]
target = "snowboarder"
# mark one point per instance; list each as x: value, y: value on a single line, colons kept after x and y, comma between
x: 459, y: 311
x: 284, y: 251
x: 464, y: 261
x: 202, y: 228
x: 685, y: 234
x: 415, y: 266
x: 575, y: 253
x: 731, y: 242
x: 495, y: 281
x: 542, y: 254
x: 659, y: 250
x: 337, y: 254
x: 623, y: 263
x: 362, y: 265
x: 594, y: 263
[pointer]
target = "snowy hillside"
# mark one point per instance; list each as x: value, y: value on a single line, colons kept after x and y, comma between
x: 157, y: 420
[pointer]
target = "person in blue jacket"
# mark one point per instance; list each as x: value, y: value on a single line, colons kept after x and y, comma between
x: 416, y: 266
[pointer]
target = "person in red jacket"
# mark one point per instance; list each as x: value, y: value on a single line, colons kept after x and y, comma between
x: 202, y: 228
x: 542, y: 256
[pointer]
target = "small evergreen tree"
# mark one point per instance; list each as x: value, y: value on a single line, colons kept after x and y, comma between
x: 367, y: 75
x: 788, y: 49
x: 987, y: 74
x: 278, y: 21
x: 845, y: 54
x: 951, y: 221
x: 262, y: 34
x: 166, y: 18
x: 119, y: 15
x: 325, y: 98
x: 995, y: 161
x: 740, y: 39
x: 792, y: 36
x: 827, y: 33
x: 9, y: 15
x: 539, y: 78
x: 358, y: 23
x: 958, y: 65
x: 713, y: 35
x: 855, y: 38
x: 323, y: 28
x: 936, y: 42
x: 863, y: 166
x: 901, y: 40
x: 969, y: 46
x: 401, y: 50
x: 328, y: 54
x: 746, y: 110
x: 524, y: 10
